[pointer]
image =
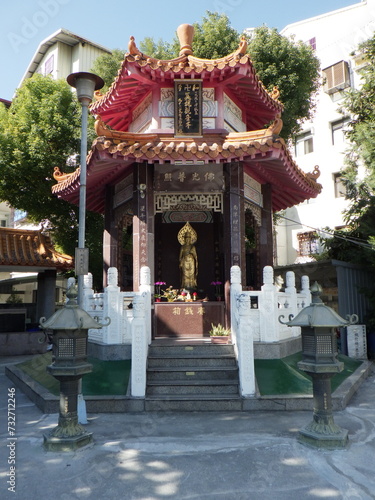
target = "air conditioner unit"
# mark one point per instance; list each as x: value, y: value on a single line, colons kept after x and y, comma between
x: 337, y: 77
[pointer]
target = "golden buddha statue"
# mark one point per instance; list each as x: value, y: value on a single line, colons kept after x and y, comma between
x: 188, y: 260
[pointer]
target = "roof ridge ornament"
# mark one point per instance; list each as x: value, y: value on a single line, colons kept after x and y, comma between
x: 132, y: 47
x: 185, y: 33
x: 242, y: 48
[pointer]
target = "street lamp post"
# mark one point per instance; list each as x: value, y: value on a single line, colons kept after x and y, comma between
x: 85, y: 84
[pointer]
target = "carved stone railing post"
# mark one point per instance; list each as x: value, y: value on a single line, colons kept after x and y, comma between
x: 245, y: 347
x: 268, y: 308
x: 88, y: 292
x: 139, y: 348
x: 305, y: 291
x: 145, y: 290
x: 235, y: 290
x: 112, y: 308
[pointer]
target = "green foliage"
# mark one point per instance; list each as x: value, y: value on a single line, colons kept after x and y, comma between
x: 293, y: 68
x: 41, y: 130
x: 107, y: 66
x: 214, y: 37
x: 159, y: 49
x: 359, y: 103
x: 14, y: 298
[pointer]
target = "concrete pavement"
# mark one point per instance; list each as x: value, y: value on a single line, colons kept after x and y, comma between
x: 186, y: 456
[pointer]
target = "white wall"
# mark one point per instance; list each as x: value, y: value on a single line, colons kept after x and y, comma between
x: 337, y: 35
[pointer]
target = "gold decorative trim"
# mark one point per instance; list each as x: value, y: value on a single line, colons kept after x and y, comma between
x: 208, y: 201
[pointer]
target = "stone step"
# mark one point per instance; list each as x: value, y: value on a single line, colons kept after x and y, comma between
x: 191, y: 349
x: 196, y: 361
x: 192, y: 373
x: 192, y: 376
x: 193, y: 403
x: 199, y: 387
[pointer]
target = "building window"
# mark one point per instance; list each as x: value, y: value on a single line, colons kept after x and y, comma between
x: 312, y: 43
x: 3, y: 223
x: 338, y: 129
x: 48, y: 68
x: 304, y: 143
x: 308, y: 243
x: 336, y: 77
x: 340, y: 188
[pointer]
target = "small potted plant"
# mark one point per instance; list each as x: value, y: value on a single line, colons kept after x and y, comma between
x: 219, y: 334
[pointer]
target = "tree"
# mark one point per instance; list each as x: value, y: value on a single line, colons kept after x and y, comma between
x: 107, y: 66
x: 278, y: 60
x: 40, y: 131
x: 293, y: 68
x: 159, y: 49
x: 214, y: 37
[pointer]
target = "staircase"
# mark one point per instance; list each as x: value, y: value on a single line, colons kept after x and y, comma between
x: 192, y: 376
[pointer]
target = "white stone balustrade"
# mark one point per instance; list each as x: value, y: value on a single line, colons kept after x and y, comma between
x: 114, y: 304
x: 268, y: 304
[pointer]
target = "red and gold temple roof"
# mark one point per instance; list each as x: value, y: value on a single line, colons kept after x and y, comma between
x: 116, y: 149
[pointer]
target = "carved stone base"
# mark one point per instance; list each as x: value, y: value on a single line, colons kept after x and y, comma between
x: 59, y: 444
x: 68, y: 435
x: 324, y: 437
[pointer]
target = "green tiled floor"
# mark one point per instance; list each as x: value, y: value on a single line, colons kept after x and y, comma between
x: 107, y: 378
x: 282, y: 376
x: 274, y: 376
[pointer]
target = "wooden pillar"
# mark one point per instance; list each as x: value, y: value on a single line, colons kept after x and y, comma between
x: 265, y: 231
x: 110, y: 236
x: 143, y: 221
x: 234, y: 219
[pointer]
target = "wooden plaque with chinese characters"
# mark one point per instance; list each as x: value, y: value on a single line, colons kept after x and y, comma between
x: 188, y: 108
x: 189, y: 178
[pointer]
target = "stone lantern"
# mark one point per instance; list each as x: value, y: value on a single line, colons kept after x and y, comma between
x: 319, y: 359
x: 69, y: 327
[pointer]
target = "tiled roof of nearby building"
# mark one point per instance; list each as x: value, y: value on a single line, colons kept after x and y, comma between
x: 6, y: 102
x: 33, y: 249
x: 62, y: 35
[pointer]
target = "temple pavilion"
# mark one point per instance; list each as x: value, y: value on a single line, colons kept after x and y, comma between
x: 188, y: 169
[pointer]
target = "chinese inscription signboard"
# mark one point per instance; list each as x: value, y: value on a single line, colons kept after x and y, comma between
x: 196, y: 178
x: 188, y: 107
x: 357, y: 344
x: 190, y: 319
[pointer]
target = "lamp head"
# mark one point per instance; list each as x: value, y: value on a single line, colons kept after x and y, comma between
x: 85, y: 84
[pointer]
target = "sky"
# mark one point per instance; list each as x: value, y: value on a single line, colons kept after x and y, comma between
x: 25, y: 23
